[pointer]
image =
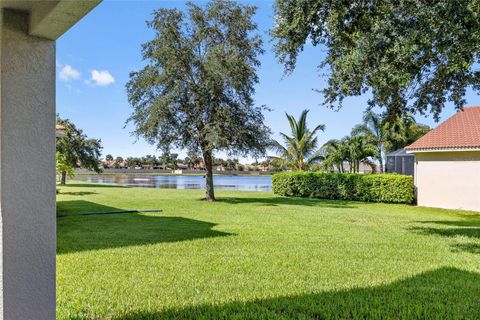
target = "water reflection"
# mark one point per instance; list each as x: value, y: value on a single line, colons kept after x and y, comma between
x: 250, y: 183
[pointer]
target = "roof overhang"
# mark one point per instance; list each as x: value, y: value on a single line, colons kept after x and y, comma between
x: 51, y: 18
x: 469, y: 149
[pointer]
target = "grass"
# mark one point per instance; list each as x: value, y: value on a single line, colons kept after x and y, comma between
x: 254, y: 255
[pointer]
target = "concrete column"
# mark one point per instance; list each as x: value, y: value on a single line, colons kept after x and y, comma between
x: 27, y: 171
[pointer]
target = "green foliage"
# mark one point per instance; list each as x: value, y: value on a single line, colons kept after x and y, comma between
x: 412, y: 56
x: 76, y: 149
x: 196, y: 90
x: 133, y: 162
x: 388, y: 188
x: 300, y: 148
x: 388, y: 134
x: 412, y: 133
x: 370, y: 141
x: 233, y: 259
x: 169, y: 160
x: 62, y: 165
x: 354, y: 149
x: 376, y: 131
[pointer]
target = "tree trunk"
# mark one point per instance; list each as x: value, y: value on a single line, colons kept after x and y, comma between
x: 381, y: 164
x: 63, y: 179
x: 380, y: 158
x: 209, y: 192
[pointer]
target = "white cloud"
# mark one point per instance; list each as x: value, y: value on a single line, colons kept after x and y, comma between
x: 101, y: 78
x: 68, y: 73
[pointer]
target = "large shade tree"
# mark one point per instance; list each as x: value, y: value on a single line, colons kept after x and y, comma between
x: 75, y: 150
x: 196, y: 89
x: 299, y: 150
x: 411, y: 56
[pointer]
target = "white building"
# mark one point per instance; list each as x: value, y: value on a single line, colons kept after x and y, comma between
x: 447, y: 163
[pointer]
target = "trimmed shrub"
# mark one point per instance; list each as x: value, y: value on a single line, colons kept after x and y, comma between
x: 389, y: 188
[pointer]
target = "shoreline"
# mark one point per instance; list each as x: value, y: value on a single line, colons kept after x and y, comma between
x: 172, y: 174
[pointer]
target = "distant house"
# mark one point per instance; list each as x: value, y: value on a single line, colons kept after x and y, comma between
x: 400, y: 161
x: 114, y: 163
x: 263, y: 167
x: 447, y: 163
x: 182, y: 166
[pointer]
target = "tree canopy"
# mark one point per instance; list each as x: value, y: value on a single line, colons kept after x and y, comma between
x: 76, y: 150
x: 411, y: 56
x: 196, y: 89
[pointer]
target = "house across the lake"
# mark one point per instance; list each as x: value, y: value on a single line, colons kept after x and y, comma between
x: 447, y: 163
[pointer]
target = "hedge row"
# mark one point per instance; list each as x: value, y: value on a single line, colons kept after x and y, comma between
x: 390, y: 188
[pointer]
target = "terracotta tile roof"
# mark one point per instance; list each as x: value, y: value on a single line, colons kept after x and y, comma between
x: 460, y: 131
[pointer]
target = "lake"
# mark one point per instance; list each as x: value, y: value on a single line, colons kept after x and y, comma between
x: 248, y: 183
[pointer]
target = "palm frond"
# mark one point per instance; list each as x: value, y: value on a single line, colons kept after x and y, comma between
x: 301, y: 146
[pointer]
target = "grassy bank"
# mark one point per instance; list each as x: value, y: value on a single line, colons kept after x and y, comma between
x: 258, y: 256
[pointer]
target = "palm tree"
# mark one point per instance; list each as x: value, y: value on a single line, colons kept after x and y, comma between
x: 389, y: 134
x: 375, y: 130
x: 353, y: 150
x: 360, y: 150
x: 403, y: 131
x: 300, y: 148
x: 335, y: 153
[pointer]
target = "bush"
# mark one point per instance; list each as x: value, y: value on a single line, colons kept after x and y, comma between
x: 389, y: 188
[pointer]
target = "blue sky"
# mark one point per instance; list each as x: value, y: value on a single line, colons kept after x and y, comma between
x: 95, y: 57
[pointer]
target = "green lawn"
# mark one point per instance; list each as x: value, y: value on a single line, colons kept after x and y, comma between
x: 257, y: 256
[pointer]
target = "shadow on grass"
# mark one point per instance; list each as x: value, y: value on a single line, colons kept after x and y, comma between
x: 276, y: 201
x: 90, y: 185
x: 468, y: 247
x: 445, y: 293
x: 468, y: 228
x: 79, y: 233
x: 75, y: 207
x: 78, y: 193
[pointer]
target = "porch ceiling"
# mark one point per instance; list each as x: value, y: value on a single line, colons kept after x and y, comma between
x: 50, y: 19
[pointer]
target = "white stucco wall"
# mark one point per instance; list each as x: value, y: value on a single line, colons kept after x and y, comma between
x: 27, y: 170
x: 28, y: 30
x: 449, y: 180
